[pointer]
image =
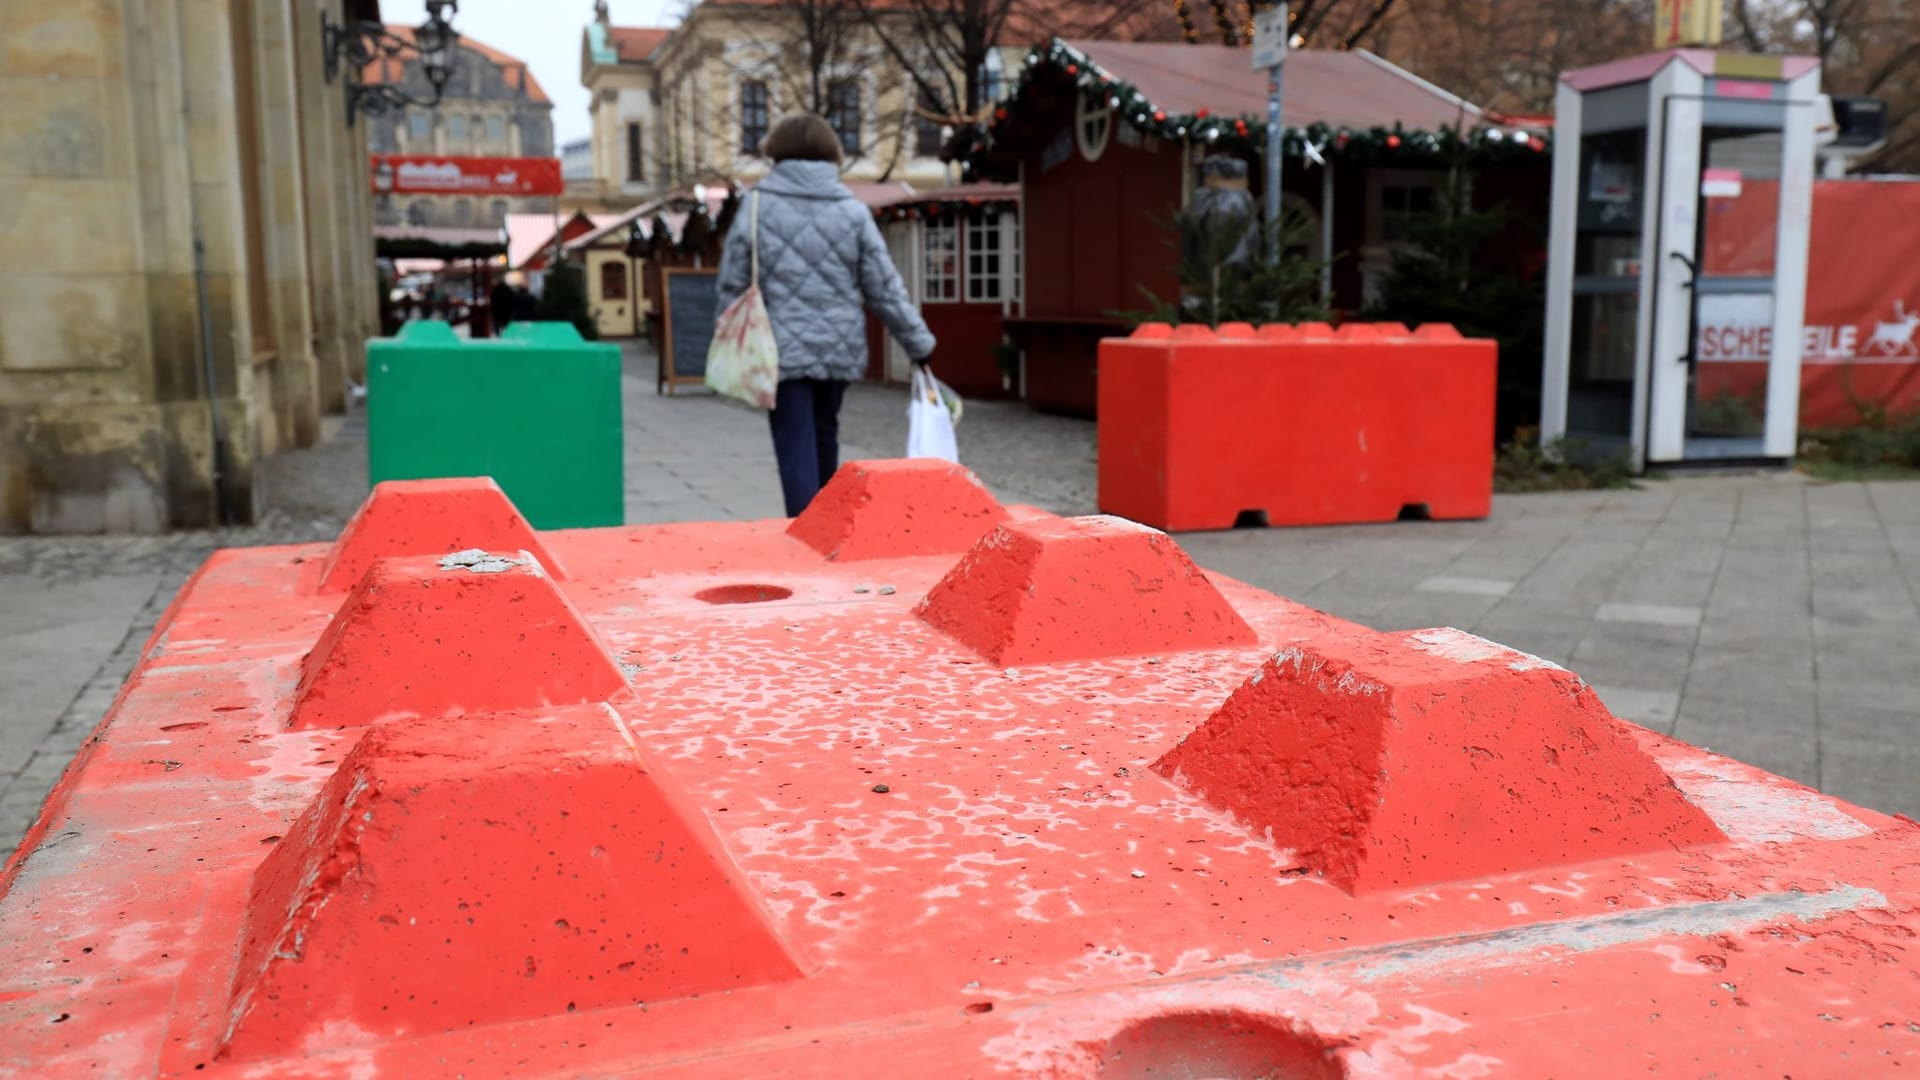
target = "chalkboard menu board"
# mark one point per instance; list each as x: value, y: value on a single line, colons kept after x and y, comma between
x: 692, y: 305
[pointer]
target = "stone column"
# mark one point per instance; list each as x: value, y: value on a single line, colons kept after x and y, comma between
x: 282, y: 188
x: 322, y: 133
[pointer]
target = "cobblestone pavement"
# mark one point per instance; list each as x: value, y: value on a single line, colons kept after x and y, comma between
x: 1765, y: 616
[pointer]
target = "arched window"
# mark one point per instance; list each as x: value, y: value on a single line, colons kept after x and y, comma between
x: 1092, y: 127
x: 613, y: 280
x: 418, y: 212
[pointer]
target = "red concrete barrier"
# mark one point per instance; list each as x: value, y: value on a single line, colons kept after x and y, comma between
x: 1024, y: 593
x: 475, y: 872
x: 469, y: 632
x: 959, y: 790
x: 1303, y: 425
x: 430, y: 517
x: 895, y: 509
x: 1389, y: 760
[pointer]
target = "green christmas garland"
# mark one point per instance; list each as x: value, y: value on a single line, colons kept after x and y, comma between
x: 1488, y: 144
x: 944, y: 209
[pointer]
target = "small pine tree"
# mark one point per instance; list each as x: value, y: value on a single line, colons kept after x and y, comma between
x: 1214, y: 289
x: 565, y: 300
x: 1444, y: 277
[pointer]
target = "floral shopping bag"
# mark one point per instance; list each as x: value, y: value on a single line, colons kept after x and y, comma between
x: 743, y: 362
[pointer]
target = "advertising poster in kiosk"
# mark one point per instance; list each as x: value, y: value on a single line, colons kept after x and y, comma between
x: 1861, y: 345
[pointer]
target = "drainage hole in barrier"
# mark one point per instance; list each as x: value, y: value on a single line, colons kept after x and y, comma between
x: 1251, y: 519
x: 1415, y: 512
x: 1223, y: 1043
x: 742, y: 594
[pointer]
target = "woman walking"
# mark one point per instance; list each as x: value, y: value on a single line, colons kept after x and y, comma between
x: 821, y: 258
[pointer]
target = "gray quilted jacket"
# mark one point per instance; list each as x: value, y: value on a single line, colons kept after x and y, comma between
x: 821, y: 256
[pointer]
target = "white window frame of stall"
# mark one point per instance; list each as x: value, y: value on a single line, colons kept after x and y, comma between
x: 979, y: 280
x: 1007, y: 280
x: 940, y: 287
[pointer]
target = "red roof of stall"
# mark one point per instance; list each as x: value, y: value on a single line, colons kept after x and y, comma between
x: 982, y: 192
x: 1352, y: 88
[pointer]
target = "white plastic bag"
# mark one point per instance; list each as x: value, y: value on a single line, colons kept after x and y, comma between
x: 931, y: 407
x: 743, y: 362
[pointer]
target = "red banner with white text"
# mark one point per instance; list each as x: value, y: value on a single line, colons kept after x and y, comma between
x: 1861, y: 343
x: 425, y: 174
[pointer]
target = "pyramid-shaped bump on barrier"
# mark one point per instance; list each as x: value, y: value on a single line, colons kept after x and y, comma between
x: 430, y: 517
x: 471, y: 873
x: 896, y: 510
x: 1079, y: 589
x: 1395, y: 760
x: 462, y: 633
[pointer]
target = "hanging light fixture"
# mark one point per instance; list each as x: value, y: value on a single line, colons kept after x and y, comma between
x: 358, y: 44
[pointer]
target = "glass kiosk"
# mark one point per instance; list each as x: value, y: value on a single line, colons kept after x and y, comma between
x: 1676, y: 271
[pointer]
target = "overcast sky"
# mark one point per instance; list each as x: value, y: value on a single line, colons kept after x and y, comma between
x: 546, y: 34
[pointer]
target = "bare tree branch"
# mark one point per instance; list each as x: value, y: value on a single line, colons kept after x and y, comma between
x: 1380, y: 9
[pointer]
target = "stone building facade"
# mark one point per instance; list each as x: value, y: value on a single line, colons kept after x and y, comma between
x: 191, y: 280
x: 492, y: 107
x: 674, y: 107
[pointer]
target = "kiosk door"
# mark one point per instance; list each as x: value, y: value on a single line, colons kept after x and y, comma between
x: 1730, y: 364
x: 1724, y: 356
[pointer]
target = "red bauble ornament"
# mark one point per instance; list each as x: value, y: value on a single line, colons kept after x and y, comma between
x: 1160, y: 115
x: 1393, y: 142
x: 999, y: 114
x: 1536, y: 144
x: 1073, y: 69
x: 1240, y: 127
x: 1200, y: 115
x: 1340, y: 141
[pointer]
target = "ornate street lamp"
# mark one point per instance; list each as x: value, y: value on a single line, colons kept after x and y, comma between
x: 357, y: 44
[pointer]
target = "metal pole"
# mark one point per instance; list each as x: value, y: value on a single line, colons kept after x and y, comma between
x: 1274, y: 140
x: 1326, y: 233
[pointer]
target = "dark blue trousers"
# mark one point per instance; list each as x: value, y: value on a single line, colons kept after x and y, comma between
x: 806, y: 437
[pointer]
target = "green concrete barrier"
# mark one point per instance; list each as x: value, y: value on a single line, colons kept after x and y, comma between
x: 537, y: 409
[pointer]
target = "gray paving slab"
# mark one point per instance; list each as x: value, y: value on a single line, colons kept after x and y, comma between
x: 1466, y: 586
x: 1649, y: 614
x: 1778, y: 737
x: 1421, y: 610
x: 1649, y: 708
x: 1872, y: 757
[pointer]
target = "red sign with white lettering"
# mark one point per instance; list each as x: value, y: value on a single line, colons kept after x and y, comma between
x: 425, y: 174
x: 1861, y: 340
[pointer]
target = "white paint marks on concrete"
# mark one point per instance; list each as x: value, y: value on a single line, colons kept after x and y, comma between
x: 1450, y: 643
x: 1466, y: 586
x: 482, y: 562
x: 1525, y: 944
x: 1754, y: 808
x: 1649, y: 614
x: 1650, y: 708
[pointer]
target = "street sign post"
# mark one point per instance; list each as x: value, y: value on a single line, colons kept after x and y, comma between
x: 1270, y: 55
